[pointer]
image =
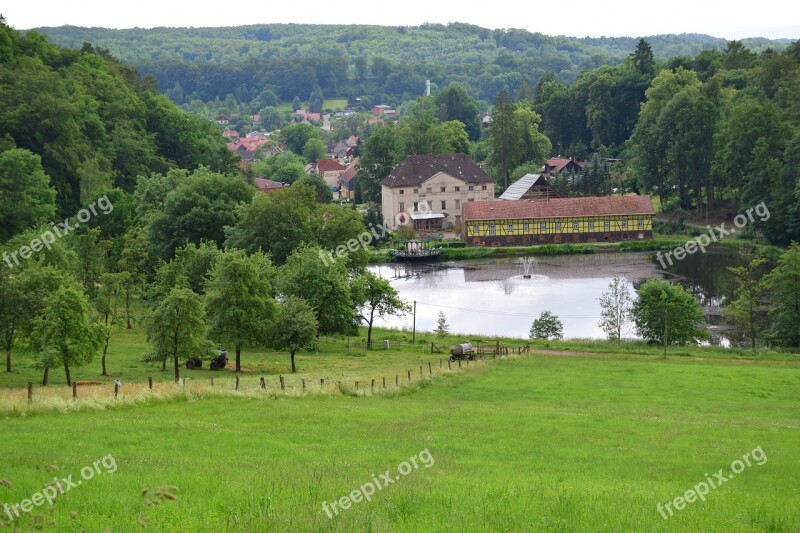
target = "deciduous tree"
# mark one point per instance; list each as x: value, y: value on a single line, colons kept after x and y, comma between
x: 238, y: 302
x: 295, y: 327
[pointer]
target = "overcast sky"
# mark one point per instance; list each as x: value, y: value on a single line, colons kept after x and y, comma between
x: 722, y: 18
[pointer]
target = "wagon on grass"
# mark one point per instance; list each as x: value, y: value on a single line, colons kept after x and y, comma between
x: 462, y: 351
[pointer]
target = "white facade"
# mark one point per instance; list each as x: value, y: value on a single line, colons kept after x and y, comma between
x: 440, y: 194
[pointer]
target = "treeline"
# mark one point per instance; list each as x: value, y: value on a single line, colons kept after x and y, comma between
x: 384, y: 64
x: 89, y: 122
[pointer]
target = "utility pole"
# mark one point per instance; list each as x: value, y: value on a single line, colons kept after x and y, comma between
x: 414, y: 329
x: 666, y: 331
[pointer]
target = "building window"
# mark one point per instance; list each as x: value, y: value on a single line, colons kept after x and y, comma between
x: 457, y: 188
x: 558, y: 226
x: 402, y: 191
x: 402, y: 206
x: 416, y: 191
x: 470, y: 199
x: 458, y: 204
x: 641, y: 224
x: 442, y: 189
x: 429, y: 189
x: 483, y: 187
x: 606, y: 224
x: 624, y: 223
x: 511, y: 228
x: 525, y: 227
x: 591, y: 225
x: 491, y: 230
x: 416, y: 206
x: 574, y: 226
x: 470, y: 187
x: 475, y: 229
x: 542, y: 226
x: 444, y: 204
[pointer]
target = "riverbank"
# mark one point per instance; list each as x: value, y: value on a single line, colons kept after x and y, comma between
x: 661, y: 243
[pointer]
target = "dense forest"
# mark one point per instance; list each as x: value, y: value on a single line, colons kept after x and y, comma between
x: 387, y: 65
x: 90, y: 122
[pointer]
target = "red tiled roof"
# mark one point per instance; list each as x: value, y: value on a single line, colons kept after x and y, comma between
x: 328, y: 165
x: 418, y: 168
x: 558, y: 208
x: 263, y: 184
x: 350, y: 173
x: 558, y: 163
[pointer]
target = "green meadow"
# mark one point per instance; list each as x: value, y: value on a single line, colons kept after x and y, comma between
x: 564, y: 440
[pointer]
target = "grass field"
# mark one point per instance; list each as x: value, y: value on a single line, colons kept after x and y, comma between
x: 335, y: 104
x: 565, y: 441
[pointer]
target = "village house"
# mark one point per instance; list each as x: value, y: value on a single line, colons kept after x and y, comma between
x: 344, y: 148
x: 306, y: 116
x: 590, y: 219
x: 222, y: 118
x: 330, y: 170
x: 347, y: 181
x: 382, y: 109
x: 267, y: 186
x: 430, y: 191
x: 555, y: 165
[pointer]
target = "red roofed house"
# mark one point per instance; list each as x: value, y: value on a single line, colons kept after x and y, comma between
x: 330, y: 170
x: 267, y: 186
x: 554, y: 165
x: 590, y: 219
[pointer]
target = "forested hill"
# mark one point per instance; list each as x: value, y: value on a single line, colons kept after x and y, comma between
x: 207, y: 63
x: 89, y: 123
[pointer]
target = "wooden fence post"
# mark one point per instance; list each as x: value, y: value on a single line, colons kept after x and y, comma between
x: 74, y: 390
x: 263, y: 383
x: 283, y: 385
x: 372, y: 386
x: 150, y: 382
x: 304, y: 384
x: 356, y: 385
x: 448, y: 365
x: 116, y: 389
x: 384, y: 382
x: 409, y: 375
x: 30, y: 391
x: 396, y: 380
x: 459, y: 363
x: 440, y: 364
x: 321, y: 382
x: 430, y: 371
x: 237, y: 381
x: 212, y: 381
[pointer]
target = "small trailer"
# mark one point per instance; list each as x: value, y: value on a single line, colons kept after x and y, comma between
x: 462, y: 351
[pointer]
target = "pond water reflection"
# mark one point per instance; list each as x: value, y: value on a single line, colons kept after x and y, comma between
x: 491, y: 297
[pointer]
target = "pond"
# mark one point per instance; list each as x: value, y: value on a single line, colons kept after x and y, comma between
x: 491, y: 297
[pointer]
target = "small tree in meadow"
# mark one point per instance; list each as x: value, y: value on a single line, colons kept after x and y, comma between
x: 66, y: 333
x: 295, y: 327
x: 176, y: 328
x: 442, y: 328
x: 547, y: 327
x: 615, y: 313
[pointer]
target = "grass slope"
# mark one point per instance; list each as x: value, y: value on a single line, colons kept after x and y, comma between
x: 545, y: 442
